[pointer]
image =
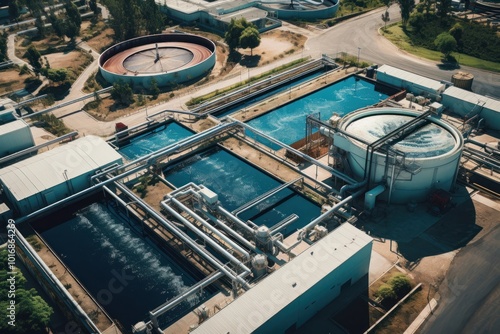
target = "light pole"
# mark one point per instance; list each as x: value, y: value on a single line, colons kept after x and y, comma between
x: 357, y: 65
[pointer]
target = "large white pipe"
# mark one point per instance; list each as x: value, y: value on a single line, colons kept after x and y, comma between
x: 205, y: 237
x: 230, y: 231
x: 186, y: 239
x: 236, y: 220
x: 181, y: 297
x: 212, y: 229
x: 334, y: 208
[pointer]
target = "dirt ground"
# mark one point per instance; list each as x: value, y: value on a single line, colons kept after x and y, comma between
x: 11, y: 81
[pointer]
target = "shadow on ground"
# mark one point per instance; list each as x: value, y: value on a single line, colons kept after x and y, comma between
x: 419, y: 234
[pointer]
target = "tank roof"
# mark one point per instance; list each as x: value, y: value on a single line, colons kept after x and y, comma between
x: 431, y: 140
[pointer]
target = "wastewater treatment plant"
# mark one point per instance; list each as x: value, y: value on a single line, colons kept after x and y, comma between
x: 253, y: 211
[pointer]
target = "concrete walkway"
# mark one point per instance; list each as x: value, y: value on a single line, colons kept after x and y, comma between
x: 415, y: 325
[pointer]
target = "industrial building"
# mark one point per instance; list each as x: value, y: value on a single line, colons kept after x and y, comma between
x: 293, y: 294
x: 411, y: 82
x: 14, y: 137
x: 41, y: 180
x: 216, y: 15
x: 471, y: 105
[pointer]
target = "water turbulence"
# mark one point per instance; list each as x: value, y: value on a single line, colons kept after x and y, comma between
x: 237, y: 182
x: 124, y: 272
x: 154, y: 140
x: 429, y: 141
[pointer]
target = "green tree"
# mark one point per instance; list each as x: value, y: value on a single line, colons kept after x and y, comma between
x: 14, y: 10
x: 73, y: 20
x: 234, y: 31
x: 57, y: 25
x: 153, y: 89
x: 34, y: 58
x: 406, y: 6
x: 385, y: 18
x: 56, y: 74
x: 93, y: 7
x: 154, y: 18
x: 443, y: 8
x: 400, y: 284
x: 32, y: 312
x: 445, y: 43
x: 417, y: 21
x: 122, y: 93
x: 457, y: 32
x: 386, y: 294
x: 250, y: 38
x: 3, y: 47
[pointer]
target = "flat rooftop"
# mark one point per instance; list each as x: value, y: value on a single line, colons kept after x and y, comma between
x: 285, y: 285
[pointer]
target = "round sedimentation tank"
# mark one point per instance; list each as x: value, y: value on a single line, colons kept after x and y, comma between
x: 411, y: 163
x: 301, y: 9
x: 169, y: 59
x: 462, y: 80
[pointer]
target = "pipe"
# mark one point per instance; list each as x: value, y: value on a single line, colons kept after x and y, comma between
x: 37, y: 147
x: 136, y: 169
x: 180, y: 298
x: 236, y: 220
x: 332, y: 210
x: 212, y: 229
x: 286, y: 249
x: 352, y: 187
x: 205, y: 237
x: 282, y: 224
x: 371, y: 195
x: 304, y: 156
x: 185, y: 238
x: 264, y: 196
x: 232, y: 232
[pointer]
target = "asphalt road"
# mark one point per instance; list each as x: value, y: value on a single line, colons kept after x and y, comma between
x: 360, y: 34
x: 470, y: 294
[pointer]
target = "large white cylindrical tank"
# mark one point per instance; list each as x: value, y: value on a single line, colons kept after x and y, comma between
x: 424, y: 159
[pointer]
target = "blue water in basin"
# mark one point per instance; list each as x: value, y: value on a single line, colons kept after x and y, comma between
x: 237, y: 182
x: 127, y: 274
x: 288, y: 123
x: 152, y: 141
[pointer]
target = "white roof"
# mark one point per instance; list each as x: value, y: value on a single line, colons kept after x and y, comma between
x: 13, y: 126
x: 410, y: 77
x: 46, y: 170
x: 465, y: 95
x: 278, y: 290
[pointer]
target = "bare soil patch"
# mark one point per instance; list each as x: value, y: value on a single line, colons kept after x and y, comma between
x: 274, y: 44
x: 98, y: 37
x: 10, y: 80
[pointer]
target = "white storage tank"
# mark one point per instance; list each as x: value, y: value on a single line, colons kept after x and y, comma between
x: 424, y: 159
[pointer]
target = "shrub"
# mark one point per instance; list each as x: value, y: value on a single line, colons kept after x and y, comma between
x: 400, y: 284
x: 386, y: 294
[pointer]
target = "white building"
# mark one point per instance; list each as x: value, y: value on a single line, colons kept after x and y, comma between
x: 411, y: 82
x: 14, y: 137
x: 46, y: 178
x: 468, y: 104
x: 297, y: 291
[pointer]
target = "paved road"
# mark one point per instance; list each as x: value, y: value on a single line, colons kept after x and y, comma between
x: 362, y: 32
x: 470, y: 294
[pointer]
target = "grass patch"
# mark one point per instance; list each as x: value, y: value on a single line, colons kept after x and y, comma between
x: 51, y: 124
x: 397, y: 36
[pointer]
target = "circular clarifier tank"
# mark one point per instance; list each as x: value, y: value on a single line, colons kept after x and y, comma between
x: 169, y: 59
x: 411, y: 165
